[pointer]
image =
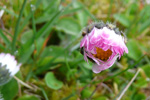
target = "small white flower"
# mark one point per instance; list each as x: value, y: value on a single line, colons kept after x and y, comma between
x: 8, y: 67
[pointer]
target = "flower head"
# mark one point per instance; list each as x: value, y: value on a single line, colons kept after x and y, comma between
x: 8, y: 67
x: 102, y: 44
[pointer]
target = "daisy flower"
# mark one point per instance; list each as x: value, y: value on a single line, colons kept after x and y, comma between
x: 102, y: 44
x: 8, y: 67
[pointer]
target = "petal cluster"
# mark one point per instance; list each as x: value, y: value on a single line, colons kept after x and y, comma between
x: 103, y: 46
x: 8, y: 67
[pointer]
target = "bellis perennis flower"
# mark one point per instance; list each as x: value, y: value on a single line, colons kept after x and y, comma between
x: 8, y: 67
x: 102, y: 44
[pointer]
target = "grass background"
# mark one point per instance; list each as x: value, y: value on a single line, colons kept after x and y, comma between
x: 44, y: 35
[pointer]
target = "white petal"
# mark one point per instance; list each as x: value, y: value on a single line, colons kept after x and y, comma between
x: 96, y: 68
x: 14, y: 71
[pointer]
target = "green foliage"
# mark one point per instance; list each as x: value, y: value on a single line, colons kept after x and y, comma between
x: 139, y: 96
x: 10, y: 90
x: 68, y: 25
x: 5, y: 39
x: 44, y: 37
x: 122, y: 19
x: 28, y: 97
x: 134, y: 50
x: 146, y: 69
x: 52, y: 82
x: 86, y: 93
x: 102, y: 98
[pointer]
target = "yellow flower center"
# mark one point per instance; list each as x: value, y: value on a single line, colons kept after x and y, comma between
x: 102, y: 55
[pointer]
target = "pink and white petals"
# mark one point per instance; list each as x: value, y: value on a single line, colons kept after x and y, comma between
x: 104, y: 39
x: 98, y: 68
x: 11, y: 64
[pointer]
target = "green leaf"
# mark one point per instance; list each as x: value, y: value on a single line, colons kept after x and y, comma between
x: 122, y: 19
x: 72, y: 11
x: 86, y: 93
x: 144, y: 25
x: 50, y: 4
x: 134, y: 50
x: 26, y: 36
x: 44, y: 93
x: 132, y: 9
x: 47, y: 66
x: 26, y: 20
x: 141, y: 83
x: 24, y: 55
x: 145, y: 12
x: 10, y: 90
x: 6, y: 40
x: 146, y: 69
x: 2, y: 47
x: 43, y: 19
x: 139, y: 96
x: 28, y: 97
x: 39, y: 45
x: 88, y: 12
x: 68, y: 25
x: 52, y: 82
x: 52, y: 51
x: 17, y: 27
x: 48, y: 26
x: 51, y: 8
x: 82, y: 15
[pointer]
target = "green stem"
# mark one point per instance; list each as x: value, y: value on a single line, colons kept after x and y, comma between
x: 29, y: 75
x: 17, y: 27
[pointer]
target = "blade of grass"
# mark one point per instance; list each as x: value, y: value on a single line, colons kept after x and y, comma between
x: 47, y: 27
x: 33, y: 26
x: 147, y: 59
x: 7, y: 33
x: 44, y: 93
x: 26, y: 54
x: 72, y: 10
x: 43, y: 68
x: 6, y: 40
x: 66, y: 61
x: 88, y: 13
x: 26, y: 20
x: 34, y: 31
x: 9, y: 12
x: 2, y: 47
x: 17, y: 27
x: 49, y: 6
x: 68, y: 97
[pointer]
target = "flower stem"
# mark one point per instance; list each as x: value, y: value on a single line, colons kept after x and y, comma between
x: 125, y: 89
x: 24, y: 84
